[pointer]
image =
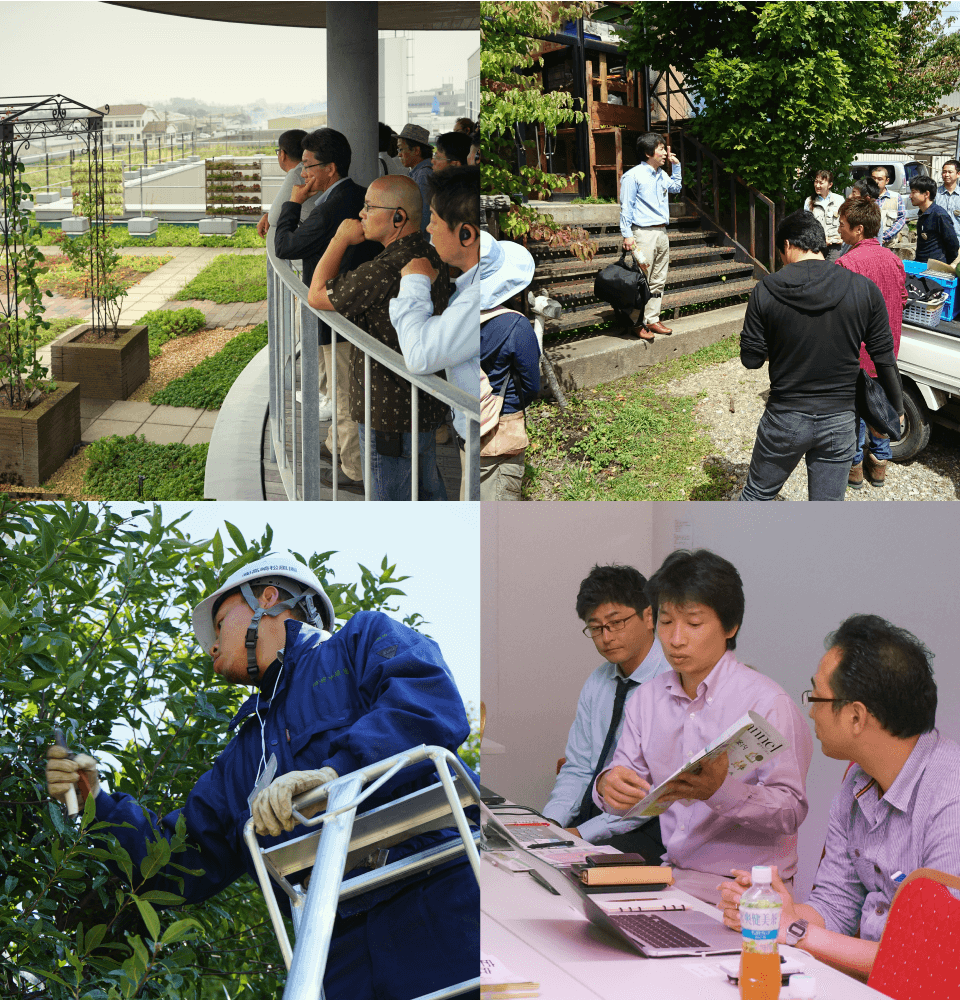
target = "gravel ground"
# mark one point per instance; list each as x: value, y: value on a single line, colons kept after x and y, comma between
x: 734, y: 401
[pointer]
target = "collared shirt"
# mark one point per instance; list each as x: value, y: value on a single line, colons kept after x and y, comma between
x: 748, y: 821
x: 892, y: 215
x: 644, y: 197
x: 449, y: 341
x: 949, y: 201
x: 885, y: 269
x: 587, y: 735
x: 363, y: 296
x: 827, y: 213
x: 422, y: 173
x: 916, y: 824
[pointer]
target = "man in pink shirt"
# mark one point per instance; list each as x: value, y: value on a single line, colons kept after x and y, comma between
x: 729, y: 822
x: 859, y: 226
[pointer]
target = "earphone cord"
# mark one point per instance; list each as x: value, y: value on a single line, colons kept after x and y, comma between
x: 263, y: 736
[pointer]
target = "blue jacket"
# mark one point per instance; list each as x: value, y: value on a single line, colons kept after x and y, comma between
x: 936, y: 237
x: 509, y: 352
x: 374, y: 689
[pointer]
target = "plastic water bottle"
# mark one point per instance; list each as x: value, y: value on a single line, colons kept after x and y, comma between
x: 760, y: 909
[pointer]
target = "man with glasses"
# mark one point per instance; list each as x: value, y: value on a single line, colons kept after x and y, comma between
x: 325, y: 167
x: 391, y: 217
x: 452, y: 150
x: 619, y: 619
x: 713, y: 821
x: 873, y: 702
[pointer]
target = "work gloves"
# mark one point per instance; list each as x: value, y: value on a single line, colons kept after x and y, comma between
x: 272, y: 809
x: 64, y: 772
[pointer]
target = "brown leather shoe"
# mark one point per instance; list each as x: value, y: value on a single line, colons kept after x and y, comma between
x: 658, y: 328
x: 855, y: 478
x: 644, y: 334
x: 876, y: 470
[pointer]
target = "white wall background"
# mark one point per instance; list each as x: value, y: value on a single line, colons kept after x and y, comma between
x: 805, y: 567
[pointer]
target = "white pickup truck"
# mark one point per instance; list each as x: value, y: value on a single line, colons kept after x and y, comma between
x: 929, y: 362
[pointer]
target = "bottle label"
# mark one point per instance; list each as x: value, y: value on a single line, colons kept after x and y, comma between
x: 760, y: 923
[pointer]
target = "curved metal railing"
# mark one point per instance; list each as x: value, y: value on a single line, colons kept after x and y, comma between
x: 295, y: 431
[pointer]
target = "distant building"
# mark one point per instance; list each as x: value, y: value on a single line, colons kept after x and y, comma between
x: 450, y: 103
x: 126, y: 122
x: 473, y: 87
x: 306, y: 122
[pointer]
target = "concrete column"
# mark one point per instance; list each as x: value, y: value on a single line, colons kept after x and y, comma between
x: 352, y: 82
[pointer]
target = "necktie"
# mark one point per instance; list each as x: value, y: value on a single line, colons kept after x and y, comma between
x: 587, y: 807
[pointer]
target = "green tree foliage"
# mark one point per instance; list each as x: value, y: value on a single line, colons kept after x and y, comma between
x: 508, y: 44
x: 95, y: 636
x: 789, y: 87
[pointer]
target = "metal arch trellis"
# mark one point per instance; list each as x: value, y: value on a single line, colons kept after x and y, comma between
x: 23, y: 120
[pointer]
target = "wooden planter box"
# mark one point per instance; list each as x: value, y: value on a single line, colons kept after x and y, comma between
x: 112, y: 369
x: 35, y: 443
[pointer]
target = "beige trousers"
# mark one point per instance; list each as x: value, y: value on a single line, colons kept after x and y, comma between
x: 652, y: 248
x: 348, y: 437
x: 501, y: 477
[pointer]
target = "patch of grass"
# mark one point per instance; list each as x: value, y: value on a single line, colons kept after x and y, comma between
x: 170, y: 471
x: 593, y: 200
x: 169, y: 235
x: 207, y: 385
x: 230, y: 278
x: 57, y: 326
x: 628, y: 440
x: 166, y: 324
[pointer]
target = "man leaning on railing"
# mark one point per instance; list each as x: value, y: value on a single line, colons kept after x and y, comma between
x: 450, y: 341
x: 391, y: 216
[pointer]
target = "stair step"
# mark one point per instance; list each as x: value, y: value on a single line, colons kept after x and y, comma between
x: 566, y: 268
x: 597, y: 314
x: 611, y: 242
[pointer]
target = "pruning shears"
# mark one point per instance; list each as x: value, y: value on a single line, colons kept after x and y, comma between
x: 70, y: 802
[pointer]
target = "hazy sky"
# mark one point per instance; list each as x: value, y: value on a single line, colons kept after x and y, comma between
x: 96, y: 53
x: 436, y: 545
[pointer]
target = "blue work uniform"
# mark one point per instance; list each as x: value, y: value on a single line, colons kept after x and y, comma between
x: 374, y: 689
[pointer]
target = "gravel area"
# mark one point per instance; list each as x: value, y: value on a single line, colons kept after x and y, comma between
x: 731, y: 409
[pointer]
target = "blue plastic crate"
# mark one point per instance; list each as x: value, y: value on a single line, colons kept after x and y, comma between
x: 950, y: 284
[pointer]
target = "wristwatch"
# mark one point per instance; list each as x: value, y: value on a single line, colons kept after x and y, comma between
x: 796, y: 932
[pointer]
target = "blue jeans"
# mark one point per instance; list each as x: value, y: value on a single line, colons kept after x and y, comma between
x: 879, y: 446
x: 827, y: 442
x: 391, y: 476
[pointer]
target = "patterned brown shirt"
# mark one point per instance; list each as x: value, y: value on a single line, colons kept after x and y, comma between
x: 363, y: 297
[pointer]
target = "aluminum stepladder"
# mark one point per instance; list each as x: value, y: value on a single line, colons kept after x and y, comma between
x: 345, y: 838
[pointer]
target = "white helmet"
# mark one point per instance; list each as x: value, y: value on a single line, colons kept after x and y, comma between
x: 278, y: 571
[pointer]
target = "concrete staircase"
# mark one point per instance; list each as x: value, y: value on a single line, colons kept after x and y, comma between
x: 702, y: 270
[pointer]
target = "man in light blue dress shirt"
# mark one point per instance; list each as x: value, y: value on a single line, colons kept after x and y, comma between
x: 644, y: 215
x: 948, y: 194
x: 619, y: 619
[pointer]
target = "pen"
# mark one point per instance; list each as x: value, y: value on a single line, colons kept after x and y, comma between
x: 526, y: 824
x: 552, y: 843
x: 537, y: 877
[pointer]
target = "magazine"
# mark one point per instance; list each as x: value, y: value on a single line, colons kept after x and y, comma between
x: 749, y: 742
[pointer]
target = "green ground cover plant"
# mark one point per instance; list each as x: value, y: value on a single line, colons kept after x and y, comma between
x: 207, y: 385
x: 230, y: 278
x: 628, y: 440
x: 169, y: 471
x: 64, y: 279
x: 166, y: 324
x: 170, y: 235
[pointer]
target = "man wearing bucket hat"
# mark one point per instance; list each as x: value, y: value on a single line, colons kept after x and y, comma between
x: 416, y: 154
x: 325, y: 705
x: 510, y: 356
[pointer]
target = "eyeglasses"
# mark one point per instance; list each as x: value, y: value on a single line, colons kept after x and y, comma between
x: 390, y: 208
x: 310, y: 166
x: 441, y: 159
x: 617, y: 625
x: 807, y: 698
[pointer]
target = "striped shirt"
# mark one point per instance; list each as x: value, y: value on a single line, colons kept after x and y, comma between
x: 916, y: 824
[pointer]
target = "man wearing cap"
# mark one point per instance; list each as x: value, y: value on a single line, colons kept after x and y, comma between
x: 510, y: 357
x: 325, y: 705
x: 416, y: 154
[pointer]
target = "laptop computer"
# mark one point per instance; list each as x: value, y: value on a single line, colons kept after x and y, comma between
x: 655, y: 935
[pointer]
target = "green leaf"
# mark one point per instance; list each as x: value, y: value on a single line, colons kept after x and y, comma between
x: 179, y: 930
x: 150, y: 917
x: 237, y: 535
x: 161, y: 897
x: 217, y: 549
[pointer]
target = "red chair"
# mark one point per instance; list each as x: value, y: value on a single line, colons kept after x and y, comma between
x: 919, y: 954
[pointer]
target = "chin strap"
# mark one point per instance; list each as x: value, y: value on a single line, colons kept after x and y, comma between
x: 250, y: 641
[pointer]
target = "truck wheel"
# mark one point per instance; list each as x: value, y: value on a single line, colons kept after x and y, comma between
x: 916, y: 434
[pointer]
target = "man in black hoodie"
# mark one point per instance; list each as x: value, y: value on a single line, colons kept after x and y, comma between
x: 809, y: 319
